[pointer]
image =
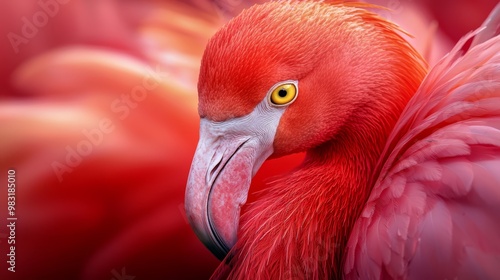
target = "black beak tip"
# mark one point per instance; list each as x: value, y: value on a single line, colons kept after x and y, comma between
x: 218, y: 247
x: 219, y: 252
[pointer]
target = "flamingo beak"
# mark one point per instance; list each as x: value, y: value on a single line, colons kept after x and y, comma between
x: 228, y: 155
x: 218, y: 185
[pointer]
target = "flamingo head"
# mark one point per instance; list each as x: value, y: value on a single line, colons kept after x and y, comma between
x: 285, y: 77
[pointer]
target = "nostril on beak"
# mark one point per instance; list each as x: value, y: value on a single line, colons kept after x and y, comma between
x: 213, y: 171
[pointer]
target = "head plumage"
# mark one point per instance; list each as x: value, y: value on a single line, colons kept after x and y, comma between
x: 277, y: 41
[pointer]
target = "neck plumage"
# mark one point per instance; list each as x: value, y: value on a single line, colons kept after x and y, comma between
x: 300, y: 228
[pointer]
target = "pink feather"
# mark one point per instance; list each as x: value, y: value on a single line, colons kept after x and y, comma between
x: 434, y: 211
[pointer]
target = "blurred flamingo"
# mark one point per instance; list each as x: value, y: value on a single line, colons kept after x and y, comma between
x: 72, y: 67
x: 400, y: 179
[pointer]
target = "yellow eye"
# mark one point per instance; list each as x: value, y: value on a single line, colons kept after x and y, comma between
x: 284, y: 94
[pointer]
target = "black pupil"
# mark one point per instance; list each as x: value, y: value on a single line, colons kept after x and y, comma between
x: 282, y: 92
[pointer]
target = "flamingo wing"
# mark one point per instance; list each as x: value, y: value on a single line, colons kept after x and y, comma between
x: 434, y: 212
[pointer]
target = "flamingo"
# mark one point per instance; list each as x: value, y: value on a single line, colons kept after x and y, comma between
x: 401, y: 176
x: 103, y: 220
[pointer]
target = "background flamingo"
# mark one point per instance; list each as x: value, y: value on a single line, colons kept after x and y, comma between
x: 119, y: 211
x: 400, y: 178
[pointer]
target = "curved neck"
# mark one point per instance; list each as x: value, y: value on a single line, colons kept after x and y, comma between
x: 341, y: 172
x: 300, y: 228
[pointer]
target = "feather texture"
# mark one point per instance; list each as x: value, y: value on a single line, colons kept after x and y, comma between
x: 434, y: 210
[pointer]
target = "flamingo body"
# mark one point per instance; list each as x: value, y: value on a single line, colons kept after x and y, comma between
x: 433, y: 213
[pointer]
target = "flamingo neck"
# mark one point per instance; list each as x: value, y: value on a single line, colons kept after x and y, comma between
x: 340, y: 173
x: 300, y: 228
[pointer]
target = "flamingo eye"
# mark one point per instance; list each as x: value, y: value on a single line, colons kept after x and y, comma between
x: 284, y: 94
